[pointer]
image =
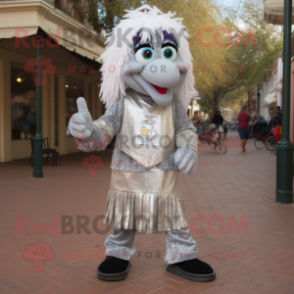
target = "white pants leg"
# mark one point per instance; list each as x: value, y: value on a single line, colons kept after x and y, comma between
x: 120, y: 244
x: 180, y: 245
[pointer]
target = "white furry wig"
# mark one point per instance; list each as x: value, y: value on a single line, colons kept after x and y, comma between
x: 116, y: 55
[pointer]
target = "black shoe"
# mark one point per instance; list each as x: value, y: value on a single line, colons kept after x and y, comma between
x: 113, y: 269
x: 194, y: 270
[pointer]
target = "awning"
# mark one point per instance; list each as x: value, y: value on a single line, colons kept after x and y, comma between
x: 274, y: 12
x: 270, y: 100
x: 23, y: 18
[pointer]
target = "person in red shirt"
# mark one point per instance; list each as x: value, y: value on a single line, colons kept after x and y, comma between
x: 243, y: 131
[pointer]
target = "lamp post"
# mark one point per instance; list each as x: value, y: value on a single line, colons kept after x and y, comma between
x: 284, y: 189
x: 38, y: 139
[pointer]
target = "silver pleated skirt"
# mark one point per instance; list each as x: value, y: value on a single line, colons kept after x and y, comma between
x: 146, y: 201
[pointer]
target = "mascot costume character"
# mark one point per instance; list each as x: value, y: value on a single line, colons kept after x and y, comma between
x: 147, y: 83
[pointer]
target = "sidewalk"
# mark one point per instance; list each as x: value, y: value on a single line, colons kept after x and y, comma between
x: 239, y: 229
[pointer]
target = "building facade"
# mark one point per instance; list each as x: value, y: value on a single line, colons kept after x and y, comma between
x: 70, y: 50
x: 272, y: 85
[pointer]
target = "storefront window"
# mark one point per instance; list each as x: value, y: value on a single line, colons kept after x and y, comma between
x: 74, y: 90
x: 23, y: 103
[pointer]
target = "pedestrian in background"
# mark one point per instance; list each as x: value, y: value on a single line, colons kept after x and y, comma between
x: 217, y: 119
x: 276, y: 123
x: 207, y: 122
x: 225, y: 126
x: 258, y: 122
x: 279, y: 111
x: 197, y: 121
x: 243, y: 118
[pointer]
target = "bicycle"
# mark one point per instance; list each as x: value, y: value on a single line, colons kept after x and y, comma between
x: 259, y: 142
x: 213, y: 139
x: 270, y: 143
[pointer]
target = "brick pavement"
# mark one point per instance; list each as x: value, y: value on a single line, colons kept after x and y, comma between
x: 256, y: 257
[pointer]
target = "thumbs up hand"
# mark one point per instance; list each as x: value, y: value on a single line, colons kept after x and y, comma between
x: 81, y: 124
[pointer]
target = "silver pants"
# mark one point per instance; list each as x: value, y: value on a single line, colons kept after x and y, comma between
x: 180, y: 245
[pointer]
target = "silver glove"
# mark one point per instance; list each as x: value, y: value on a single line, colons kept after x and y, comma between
x: 81, y: 125
x: 185, y: 159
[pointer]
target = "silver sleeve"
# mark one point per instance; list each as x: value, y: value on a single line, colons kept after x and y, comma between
x: 105, y: 128
x: 185, y: 130
x: 181, y: 119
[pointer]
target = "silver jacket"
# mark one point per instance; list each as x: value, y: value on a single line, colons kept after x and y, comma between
x: 108, y: 125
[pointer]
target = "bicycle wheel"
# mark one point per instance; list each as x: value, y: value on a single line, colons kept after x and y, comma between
x: 203, y: 141
x: 270, y: 143
x: 258, y: 143
x: 220, y: 146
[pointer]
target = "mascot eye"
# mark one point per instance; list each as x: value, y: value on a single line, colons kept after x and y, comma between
x: 144, y: 55
x: 169, y: 53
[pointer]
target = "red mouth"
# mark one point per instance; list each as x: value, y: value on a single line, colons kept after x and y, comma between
x: 160, y: 90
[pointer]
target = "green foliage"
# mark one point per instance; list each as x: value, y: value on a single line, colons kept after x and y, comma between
x: 219, y: 71
x: 256, y: 56
x: 263, y: 65
x: 93, y: 17
x: 110, y: 12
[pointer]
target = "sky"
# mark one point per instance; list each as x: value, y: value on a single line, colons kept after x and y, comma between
x: 226, y: 3
x: 223, y: 4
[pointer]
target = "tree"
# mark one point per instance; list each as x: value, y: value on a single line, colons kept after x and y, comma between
x: 234, y: 100
x: 105, y: 14
x: 263, y: 65
x: 201, y: 17
x: 225, y: 57
x: 256, y: 42
x: 228, y: 71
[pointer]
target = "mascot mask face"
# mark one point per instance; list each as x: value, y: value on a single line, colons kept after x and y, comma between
x: 155, y: 67
x: 148, y: 51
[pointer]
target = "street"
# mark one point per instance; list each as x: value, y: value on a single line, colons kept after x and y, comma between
x: 240, y: 230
